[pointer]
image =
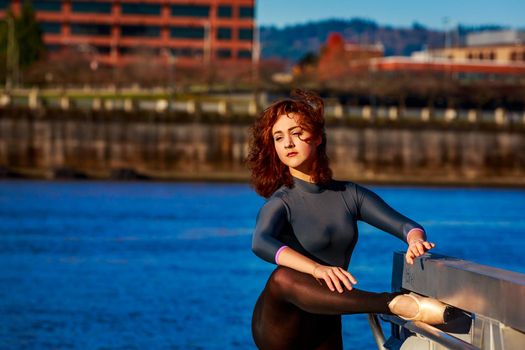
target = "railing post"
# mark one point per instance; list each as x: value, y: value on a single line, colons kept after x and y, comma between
x: 472, y: 116
x: 377, y: 331
x: 499, y: 116
x: 425, y: 114
x: 367, y: 112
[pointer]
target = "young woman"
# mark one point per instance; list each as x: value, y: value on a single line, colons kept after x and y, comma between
x: 308, y: 228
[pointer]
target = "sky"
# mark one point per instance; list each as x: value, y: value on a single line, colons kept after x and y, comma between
x: 436, y: 14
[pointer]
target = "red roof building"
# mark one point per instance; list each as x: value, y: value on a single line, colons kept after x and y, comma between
x: 339, y: 57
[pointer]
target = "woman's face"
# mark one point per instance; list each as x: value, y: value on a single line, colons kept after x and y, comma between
x: 294, y: 145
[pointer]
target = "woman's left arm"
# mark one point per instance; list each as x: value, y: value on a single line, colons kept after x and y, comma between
x: 375, y: 211
x: 417, y: 245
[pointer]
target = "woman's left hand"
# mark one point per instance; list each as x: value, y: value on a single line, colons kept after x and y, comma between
x: 417, y: 248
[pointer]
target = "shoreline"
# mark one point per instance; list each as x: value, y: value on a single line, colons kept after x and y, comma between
x: 126, y: 175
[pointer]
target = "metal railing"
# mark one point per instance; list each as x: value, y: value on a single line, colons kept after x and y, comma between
x: 490, y: 305
x: 245, y: 105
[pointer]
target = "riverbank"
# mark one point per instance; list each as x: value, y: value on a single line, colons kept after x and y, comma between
x: 244, y: 177
x: 176, y: 146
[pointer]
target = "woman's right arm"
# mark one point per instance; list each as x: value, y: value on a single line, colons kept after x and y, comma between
x: 270, y: 221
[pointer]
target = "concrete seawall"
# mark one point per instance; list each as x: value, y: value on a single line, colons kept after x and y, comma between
x: 78, y: 144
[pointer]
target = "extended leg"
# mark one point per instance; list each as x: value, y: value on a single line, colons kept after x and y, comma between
x: 305, y: 292
x: 296, y: 312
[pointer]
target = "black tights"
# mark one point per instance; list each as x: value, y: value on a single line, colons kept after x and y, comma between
x: 294, y: 311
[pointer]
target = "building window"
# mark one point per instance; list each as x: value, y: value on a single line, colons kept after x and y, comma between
x: 53, y: 47
x: 140, y: 9
x: 224, y: 12
x: 187, y: 52
x: 469, y: 56
x: 47, y: 6
x: 105, y: 50
x: 187, y: 32
x: 125, y: 50
x: 90, y: 29
x: 224, y: 33
x: 244, y: 54
x: 480, y: 55
x: 523, y: 56
x: 224, y: 53
x: 190, y: 11
x: 90, y: 7
x: 140, y: 31
x: 246, y: 12
x: 50, y: 27
x: 245, y: 34
x: 138, y: 51
x: 492, y: 56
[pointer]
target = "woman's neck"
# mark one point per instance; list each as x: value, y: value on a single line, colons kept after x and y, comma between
x: 301, y: 175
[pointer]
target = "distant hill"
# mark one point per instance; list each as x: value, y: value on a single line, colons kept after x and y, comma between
x: 293, y: 42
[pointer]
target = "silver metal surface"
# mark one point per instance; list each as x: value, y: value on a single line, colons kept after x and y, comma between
x: 494, y: 293
x: 489, y: 302
x: 432, y: 333
x: 377, y: 331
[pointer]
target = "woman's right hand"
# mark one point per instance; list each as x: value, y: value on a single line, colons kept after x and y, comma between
x: 333, y: 276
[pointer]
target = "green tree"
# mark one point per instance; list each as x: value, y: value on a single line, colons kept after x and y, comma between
x: 21, y: 43
x: 29, y: 36
x: 8, y: 50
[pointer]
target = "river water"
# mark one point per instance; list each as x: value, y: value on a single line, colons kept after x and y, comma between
x: 144, y: 265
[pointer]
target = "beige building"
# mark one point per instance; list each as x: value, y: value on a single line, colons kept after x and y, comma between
x: 497, y: 53
x: 497, y: 46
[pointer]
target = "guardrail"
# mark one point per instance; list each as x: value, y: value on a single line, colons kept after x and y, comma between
x: 227, y: 107
x: 490, y: 304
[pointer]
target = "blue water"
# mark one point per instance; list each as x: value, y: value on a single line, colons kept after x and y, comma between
x: 108, y: 265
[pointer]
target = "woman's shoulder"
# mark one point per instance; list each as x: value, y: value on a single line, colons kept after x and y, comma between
x: 344, y: 185
x: 279, y: 195
x: 351, y: 188
x: 276, y: 204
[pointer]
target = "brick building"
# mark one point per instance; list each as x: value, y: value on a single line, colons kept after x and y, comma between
x: 186, y: 32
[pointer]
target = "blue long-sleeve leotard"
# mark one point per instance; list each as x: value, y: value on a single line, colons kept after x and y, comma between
x: 320, y: 222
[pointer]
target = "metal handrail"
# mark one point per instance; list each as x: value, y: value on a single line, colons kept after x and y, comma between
x: 490, y: 317
x: 431, y: 333
x: 377, y: 331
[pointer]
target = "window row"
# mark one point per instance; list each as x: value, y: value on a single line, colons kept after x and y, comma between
x: 223, y: 11
x: 176, y: 52
x: 187, y: 52
x: 244, y: 34
x: 514, y: 55
x: 227, y: 53
x: 482, y: 56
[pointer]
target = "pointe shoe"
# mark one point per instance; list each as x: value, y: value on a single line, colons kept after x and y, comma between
x: 430, y: 310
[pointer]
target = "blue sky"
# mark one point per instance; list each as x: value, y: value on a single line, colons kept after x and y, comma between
x: 430, y: 13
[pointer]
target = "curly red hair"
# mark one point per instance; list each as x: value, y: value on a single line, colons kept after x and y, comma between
x: 268, y: 173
